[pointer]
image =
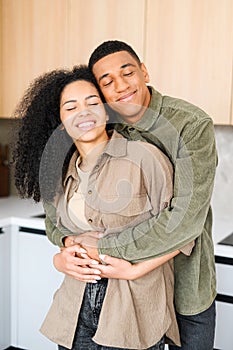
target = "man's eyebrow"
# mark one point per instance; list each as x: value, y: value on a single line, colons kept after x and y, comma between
x: 121, y: 67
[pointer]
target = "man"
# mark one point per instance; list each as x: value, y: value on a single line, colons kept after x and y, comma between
x: 186, y: 134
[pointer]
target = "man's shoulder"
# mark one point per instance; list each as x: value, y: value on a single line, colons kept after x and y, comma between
x: 171, y: 106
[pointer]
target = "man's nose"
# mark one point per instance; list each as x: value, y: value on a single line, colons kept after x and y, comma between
x: 121, y: 84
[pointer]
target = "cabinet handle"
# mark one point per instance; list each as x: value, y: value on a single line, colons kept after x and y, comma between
x: 224, y: 298
x: 32, y: 230
x: 223, y: 260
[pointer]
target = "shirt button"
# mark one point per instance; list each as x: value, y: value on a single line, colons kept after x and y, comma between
x: 97, y: 166
x: 90, y: 192
x: 131, y: 128
x: 90, y: 220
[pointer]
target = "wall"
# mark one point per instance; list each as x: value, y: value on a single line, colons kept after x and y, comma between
x: 223, y: 190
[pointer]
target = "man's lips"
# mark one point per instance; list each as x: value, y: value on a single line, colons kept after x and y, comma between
x: 127, y: 97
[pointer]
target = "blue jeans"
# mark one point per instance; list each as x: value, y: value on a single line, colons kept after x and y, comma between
x: 197, y: 331
x: 89, y: 317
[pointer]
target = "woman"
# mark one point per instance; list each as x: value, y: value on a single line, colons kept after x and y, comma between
x: 104, y: 183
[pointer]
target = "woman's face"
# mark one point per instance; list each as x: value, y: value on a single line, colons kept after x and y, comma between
x: 82, y: 112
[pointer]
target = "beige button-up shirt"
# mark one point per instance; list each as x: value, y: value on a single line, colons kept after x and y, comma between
x: 131, y: 182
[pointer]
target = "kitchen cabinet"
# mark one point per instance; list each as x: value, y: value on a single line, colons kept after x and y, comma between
x: 34, y: 281
x: 104, y: 20
x: 186, y: 44
x: 224, y: 303
x: 33, y: 37
x: 37, y: 36
x: 189, y: 52
x: 5, y: 306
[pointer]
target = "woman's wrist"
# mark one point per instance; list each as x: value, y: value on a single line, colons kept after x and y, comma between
x: 68, y: 241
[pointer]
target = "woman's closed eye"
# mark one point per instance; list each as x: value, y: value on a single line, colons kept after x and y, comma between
x: 70, y: 108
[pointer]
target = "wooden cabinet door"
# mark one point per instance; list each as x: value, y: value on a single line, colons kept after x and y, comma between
x: 33, y: 41
x: 189, y: 52
x: 38, y: 36
x: 91, y: 22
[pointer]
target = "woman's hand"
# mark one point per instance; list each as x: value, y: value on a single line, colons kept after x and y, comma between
x: 69, y: 262
x: 89, y: 241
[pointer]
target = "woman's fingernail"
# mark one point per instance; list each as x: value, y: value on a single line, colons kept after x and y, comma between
x: 98, y: 278
x: 102, y: 256
x: 81, y: 250
x: 97, y: 272
x: 94, y: 262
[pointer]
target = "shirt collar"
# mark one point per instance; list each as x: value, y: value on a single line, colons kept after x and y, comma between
x: 149, y: 117
x: 116, y: 147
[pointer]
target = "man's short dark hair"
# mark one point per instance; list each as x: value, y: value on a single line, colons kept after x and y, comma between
x: 109, y: 47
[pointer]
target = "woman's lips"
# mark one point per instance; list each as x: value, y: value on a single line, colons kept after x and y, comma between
x: 86, y: 125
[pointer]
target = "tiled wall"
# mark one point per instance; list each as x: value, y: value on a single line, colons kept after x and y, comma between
x: 223, y: 191
x: 6, y: 127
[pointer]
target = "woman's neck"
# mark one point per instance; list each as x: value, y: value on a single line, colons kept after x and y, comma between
x: 89, y: 153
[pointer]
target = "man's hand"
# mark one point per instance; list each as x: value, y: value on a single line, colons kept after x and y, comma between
x: 117, y: 268
x: 69, y: 262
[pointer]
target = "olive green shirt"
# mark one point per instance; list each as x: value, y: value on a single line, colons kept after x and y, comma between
x: 185, y: 134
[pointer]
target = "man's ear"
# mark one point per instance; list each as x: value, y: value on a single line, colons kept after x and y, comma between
x: 107, y: 117
x: 145, y: 73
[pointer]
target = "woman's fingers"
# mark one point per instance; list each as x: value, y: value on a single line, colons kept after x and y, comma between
x: 84, y: 273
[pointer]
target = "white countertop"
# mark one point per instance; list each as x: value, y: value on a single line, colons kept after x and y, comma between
x: 16, y: 211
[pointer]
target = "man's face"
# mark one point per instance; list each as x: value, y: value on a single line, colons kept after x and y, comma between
x: 122, y: 81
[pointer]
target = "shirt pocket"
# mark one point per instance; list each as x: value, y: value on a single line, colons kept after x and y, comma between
x: 120, y: 213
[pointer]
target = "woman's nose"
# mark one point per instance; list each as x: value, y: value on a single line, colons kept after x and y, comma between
x: 84, y: 112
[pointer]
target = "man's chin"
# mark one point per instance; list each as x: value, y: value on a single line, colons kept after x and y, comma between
x: 128, y: 110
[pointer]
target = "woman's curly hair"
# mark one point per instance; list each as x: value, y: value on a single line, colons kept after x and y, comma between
x: 42, y: 148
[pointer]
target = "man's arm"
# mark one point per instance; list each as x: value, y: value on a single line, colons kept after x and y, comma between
x: 178, y: 224
x: 184, y: 220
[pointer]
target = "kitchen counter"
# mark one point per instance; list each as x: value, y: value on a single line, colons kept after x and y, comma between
x: 21, y: 212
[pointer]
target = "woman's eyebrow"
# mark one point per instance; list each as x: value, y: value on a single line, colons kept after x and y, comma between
x: 87, y: 98
x: 69, y: 102
x: 91, y: 96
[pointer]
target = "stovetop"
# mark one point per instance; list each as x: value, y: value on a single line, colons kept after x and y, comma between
x: 228, y: 240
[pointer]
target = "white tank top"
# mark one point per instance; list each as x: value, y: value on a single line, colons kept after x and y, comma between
x: 76, y: 204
